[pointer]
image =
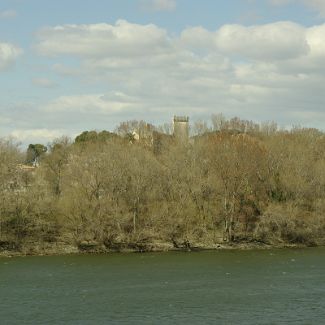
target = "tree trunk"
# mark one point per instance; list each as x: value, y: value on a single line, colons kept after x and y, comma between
x: 134, y: 220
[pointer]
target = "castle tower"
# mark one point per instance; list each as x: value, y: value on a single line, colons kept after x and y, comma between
x: 181, y: 128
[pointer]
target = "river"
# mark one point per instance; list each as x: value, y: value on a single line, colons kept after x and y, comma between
x: 285, y: 286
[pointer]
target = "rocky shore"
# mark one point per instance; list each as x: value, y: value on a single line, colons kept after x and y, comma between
x: 94, y: 248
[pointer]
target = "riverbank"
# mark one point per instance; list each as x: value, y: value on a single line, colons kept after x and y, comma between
x: 93, y: 248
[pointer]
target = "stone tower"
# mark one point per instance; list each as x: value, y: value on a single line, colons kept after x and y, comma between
x: 181, y: 128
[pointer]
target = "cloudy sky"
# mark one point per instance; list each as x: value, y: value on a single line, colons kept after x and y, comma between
x: 71, y: 65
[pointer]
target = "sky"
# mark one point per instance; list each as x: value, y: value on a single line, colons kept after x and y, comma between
x: 75, y: 65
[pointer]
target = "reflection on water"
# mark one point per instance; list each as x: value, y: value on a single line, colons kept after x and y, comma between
x: 220, y: 287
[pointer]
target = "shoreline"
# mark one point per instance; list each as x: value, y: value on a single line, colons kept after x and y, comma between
x: 62, y: 250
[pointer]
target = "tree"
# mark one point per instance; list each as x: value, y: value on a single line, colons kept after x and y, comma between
x: 92, y: 136
x: 34, y: 153
x: 238, y: 163
x: 55, y: 162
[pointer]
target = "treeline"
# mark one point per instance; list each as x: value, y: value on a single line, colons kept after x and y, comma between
x: 233, y: 182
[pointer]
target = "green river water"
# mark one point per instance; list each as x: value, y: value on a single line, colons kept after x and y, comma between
x: 285, y: 286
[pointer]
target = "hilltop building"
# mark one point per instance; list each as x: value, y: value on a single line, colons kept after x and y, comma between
x: 147, y: 134
x: 181, y: 128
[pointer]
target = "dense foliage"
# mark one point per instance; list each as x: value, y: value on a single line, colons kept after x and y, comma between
x: 233, y: 182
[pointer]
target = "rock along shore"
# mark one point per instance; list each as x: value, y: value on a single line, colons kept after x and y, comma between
x: 93, y: 248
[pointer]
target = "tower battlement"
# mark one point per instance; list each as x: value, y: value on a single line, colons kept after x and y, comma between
x: 181, y: 118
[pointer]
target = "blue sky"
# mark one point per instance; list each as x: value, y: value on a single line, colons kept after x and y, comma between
x: 68, y: 66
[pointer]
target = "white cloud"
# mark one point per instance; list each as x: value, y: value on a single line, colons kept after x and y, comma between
x: 312, y: 63
x: 198, y: 37
x: 316, y: 40
x: 316, y: 5
x: 8, y: 14
x: 280, y: 2
x: 159, y: 5
x: 101, y: 40
x: 278, y: 41
x: 36, y: 135
x: 101, y: 104
x: 4, y: 120
x: 8, y: 55
x: 124, y: 44
x: 262, y: 72
x: 44, y: 83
